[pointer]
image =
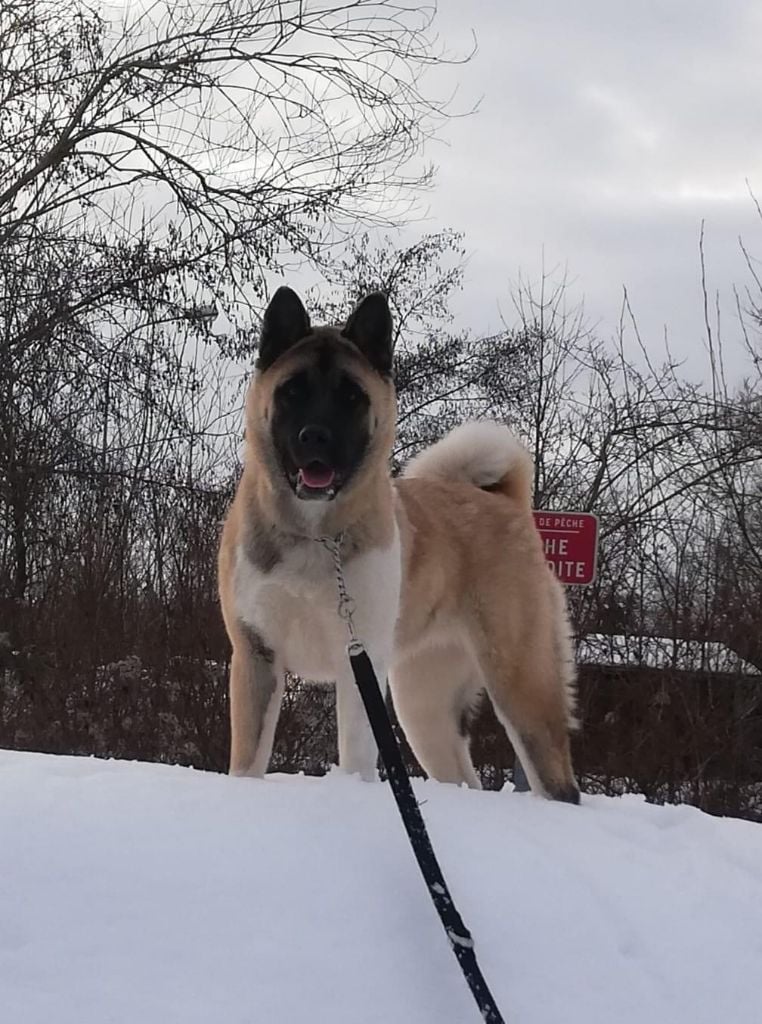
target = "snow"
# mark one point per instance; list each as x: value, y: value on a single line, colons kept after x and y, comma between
x: 147, y: 894
x: 662, y: 652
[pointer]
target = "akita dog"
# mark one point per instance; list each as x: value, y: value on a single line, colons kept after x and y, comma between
x: 445, y: 566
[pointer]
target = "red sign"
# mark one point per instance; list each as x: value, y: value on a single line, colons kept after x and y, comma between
x: 570, y: 540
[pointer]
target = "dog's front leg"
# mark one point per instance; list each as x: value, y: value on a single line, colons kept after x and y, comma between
x: 358, y: 753
x: 256, y: 691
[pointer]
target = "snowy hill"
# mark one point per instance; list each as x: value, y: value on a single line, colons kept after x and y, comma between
x: 143, y: 894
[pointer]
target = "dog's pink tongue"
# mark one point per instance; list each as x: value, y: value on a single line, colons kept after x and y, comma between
x: 316, y: 475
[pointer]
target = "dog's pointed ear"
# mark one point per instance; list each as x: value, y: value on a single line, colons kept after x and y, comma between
x: 370, y: 329
x: 285, y: 322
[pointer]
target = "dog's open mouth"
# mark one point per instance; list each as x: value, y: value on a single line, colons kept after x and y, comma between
x: 316, y: 480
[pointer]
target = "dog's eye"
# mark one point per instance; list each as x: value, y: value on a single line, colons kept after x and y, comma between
x: 292, y: 390
x: 351, y: 394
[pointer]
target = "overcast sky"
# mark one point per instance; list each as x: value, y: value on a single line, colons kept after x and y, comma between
x: 606, y: 131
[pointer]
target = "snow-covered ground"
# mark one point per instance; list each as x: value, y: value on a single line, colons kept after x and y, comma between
x: 143, y: 894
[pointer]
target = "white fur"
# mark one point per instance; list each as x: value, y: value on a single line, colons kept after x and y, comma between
x: 480, y: 452
x: 294, y: 608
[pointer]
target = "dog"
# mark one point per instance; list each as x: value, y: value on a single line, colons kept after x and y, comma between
x: 444, y: 565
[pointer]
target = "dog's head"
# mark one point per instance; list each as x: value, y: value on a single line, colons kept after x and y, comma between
x: 321, y: 409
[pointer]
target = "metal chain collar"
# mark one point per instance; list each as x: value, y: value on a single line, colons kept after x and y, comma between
x: 346, y: 607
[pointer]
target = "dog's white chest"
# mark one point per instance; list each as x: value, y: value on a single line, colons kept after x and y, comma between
x: 295, y: 607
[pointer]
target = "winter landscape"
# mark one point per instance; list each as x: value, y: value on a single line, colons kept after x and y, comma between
x: 561, y: 205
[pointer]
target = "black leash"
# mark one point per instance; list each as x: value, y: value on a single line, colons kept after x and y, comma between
x: 458, y: 935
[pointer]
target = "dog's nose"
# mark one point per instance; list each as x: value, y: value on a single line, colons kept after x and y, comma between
x: 314, y: 436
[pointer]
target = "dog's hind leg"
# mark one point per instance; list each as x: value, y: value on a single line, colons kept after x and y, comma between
x: 256, y: 691
x: 530, y: 696
x: 433, y: 694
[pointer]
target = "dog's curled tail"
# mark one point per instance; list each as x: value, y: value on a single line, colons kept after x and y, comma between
x: 483, y: 453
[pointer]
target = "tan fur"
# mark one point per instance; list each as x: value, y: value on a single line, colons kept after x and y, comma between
x: 478, y: 606
x: 481, y: 609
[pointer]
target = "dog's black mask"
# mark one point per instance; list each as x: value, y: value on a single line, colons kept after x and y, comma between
x: 320, y: 427
x: 321, y: 415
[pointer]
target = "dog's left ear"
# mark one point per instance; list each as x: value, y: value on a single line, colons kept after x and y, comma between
x: 370, y: 329
x: 285, y: 322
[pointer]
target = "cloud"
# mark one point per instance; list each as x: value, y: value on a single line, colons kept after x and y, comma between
x: 607, y: 132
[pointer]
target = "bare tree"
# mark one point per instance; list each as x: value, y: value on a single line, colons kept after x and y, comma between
x: 242, y: 125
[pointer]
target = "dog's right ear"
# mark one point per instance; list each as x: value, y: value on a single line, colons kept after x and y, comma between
x: 285, y: 322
